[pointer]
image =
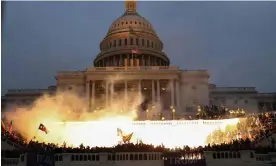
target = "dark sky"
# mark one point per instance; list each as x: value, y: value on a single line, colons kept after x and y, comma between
x: 235, y: 41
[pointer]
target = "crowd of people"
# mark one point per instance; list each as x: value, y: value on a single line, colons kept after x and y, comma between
x: 257, y: 127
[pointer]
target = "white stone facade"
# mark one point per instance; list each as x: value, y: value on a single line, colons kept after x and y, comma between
x: 183, y: 88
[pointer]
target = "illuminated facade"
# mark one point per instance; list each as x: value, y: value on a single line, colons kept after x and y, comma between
x: 132, y: 60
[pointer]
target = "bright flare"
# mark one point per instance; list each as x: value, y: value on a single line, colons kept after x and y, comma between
x: 104, y: 133
x: 67, y: 120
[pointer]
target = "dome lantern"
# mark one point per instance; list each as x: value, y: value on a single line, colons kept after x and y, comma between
x: 130, y: 6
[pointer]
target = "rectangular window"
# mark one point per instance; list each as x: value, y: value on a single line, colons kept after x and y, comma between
x: 131, y: 41
x: 137, y: 42
x: 143, y: 42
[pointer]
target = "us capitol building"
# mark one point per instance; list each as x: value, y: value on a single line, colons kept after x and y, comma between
x: 132, y: 54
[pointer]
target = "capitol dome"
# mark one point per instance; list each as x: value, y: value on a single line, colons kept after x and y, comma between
x: 131, y: 41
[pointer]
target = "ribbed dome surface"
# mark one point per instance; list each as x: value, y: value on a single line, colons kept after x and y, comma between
x: 131, y: 20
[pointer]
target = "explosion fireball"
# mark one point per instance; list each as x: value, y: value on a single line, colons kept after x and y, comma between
x: 67, y: 120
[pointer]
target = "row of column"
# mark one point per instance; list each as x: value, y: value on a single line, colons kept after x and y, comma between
x: 174, y: 89
x: 126, y: 60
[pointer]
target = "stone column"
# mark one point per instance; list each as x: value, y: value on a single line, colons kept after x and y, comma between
x: 158, y: 90
x: 93, y: 93
x: 121, y: 60
x: 106, y: 93
x: 88, y: 94
x: 177, y: 94
x: 172, y: 92
x: 114, y: 61
x: 128, y: 60
x: 111, y: 93
x: 125, y: 92
x: 153, y: 91
x: 139, y: 89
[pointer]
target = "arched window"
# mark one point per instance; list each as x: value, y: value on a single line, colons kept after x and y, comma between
x: 93, y: 157
x: 140, y: 156
x: 114, y: 43
x: 145, y: 156
x: 120, y: 42
x: 136, y: 157
x: 214, y: 156
x: 121, y: 157
x: 218, y: 155
x: 226, y: 155
x: 230, y: 155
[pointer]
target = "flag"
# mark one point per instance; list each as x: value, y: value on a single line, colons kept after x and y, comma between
x: 127, y: 138
x: 3, y: 125
x: 10, y: 127
x: 43, y: 128
x: 119, y: 132
x: 135, y: 51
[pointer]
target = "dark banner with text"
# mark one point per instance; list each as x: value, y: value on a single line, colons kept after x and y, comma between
x: 171, y: 161
x: 44, y: 159
x: 187, y: 159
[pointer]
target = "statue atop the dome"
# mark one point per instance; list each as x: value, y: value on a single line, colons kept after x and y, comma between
x: 131, y: 6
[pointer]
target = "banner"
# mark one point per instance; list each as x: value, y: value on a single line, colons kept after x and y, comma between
x: 176, y: 158
x: 182, y: 162
x: 44, y: 159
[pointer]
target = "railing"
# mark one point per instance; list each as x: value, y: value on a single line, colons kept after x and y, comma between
x: 267, y: 94
x: 247, y: 89
x: 166, y: 68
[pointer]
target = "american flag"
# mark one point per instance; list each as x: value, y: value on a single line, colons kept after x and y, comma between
x: 135, y: 51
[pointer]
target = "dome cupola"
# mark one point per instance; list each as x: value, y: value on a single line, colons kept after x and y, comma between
x: 131, y: 41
